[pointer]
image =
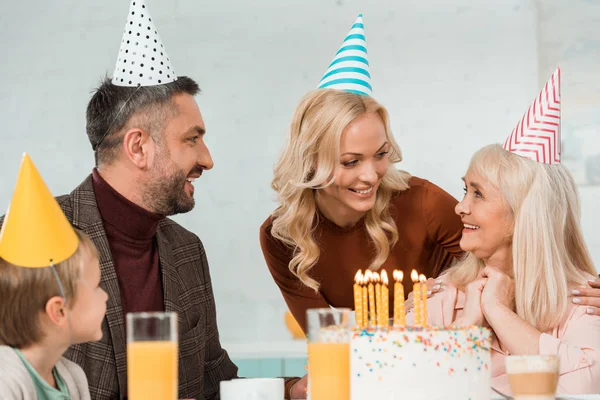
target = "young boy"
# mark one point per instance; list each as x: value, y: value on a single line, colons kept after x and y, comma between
x: 50, y: 296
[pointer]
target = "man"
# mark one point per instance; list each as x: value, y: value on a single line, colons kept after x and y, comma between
x: 146, y: 166
x: 148, y: 136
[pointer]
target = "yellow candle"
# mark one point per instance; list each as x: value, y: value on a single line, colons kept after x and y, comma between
x: 414, y: 276
x: 365, y: 302
x: 385, y: 299
x: 399, y: 307
x: 371, y: 291
x: 423, y: 299
x: 358, y: 303
x: 378, y: 297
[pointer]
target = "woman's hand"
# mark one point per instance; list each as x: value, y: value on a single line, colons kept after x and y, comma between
x: 473, y: 313
x: 298, y: 390
x: 499, y: 290
x: 516, y: 335
x: 433, y: 286
x: 589, y: 297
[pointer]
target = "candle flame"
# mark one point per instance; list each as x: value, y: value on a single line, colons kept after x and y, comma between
x: 366, y: 279
x: 358, y: 277
x: 376, y: 278
x: 398, y: 275
x: 384, y: 277
x: 422, y: 278
x: 414, y: 276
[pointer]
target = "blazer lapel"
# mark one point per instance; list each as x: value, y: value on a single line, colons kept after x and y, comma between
x: 170, y: 278
x: 87, y: 218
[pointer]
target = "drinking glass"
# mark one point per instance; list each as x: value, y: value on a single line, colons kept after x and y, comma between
x: 152, y: 348
x: 328, y: 353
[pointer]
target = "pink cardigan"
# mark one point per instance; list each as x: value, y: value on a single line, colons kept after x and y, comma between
x: 576, y: 341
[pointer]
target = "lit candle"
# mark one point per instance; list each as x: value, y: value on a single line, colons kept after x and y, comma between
x: 371, y: 291
x: 378, y: 297
x: 385, y: 299
x: 423, y: 299
x: 365, y: 302
x: 399, y: 307
x: 358, y: 303
x: 414, y: 276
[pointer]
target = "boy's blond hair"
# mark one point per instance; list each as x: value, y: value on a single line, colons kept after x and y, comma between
x: 24, y: 293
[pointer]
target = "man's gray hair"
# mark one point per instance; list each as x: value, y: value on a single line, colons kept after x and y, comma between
x: 112, y: 107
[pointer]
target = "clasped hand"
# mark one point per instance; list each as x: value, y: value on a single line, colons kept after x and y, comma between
x: 492, y: 289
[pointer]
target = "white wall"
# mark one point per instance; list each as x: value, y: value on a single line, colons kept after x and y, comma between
x: 455, y: 75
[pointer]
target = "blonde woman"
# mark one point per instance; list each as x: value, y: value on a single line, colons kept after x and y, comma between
x: 525, y: 256
x: 343, y: 206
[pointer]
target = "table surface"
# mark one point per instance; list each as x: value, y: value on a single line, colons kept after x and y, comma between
x: 565, y: 397
x: 570, y: 397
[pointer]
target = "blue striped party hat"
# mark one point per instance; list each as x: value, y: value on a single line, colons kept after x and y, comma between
x: 349, y: 70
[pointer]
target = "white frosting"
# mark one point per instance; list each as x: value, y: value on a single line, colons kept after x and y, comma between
x: 432, y: 364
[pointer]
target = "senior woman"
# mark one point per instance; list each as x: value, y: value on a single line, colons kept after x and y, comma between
x: 525, y: 254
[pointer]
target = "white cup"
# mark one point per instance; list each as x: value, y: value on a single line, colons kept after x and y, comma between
x: 252, y: 389
x: 533, y: 377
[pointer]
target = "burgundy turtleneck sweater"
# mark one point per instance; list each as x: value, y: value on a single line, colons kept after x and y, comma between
x: 130, y: 230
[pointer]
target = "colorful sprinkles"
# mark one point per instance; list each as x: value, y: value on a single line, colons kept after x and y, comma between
x: 443, y: 347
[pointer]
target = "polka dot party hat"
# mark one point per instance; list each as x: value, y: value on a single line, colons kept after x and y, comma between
x: 142, y: 59
x: 349, y: 70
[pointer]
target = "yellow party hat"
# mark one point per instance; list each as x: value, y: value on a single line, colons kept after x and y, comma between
x: 35, y: 233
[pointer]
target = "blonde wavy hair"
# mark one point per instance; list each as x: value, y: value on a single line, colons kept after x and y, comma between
x: 548, y: 249
x: 309, y: 162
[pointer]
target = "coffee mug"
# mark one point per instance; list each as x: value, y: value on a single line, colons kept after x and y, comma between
x: 533, y: 377
x: 252, y: 389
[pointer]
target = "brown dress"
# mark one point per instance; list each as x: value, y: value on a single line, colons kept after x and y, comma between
x: 429, y: 235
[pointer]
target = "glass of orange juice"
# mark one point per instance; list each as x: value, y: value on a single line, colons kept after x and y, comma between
x: 152, y: 355
x: 328, y: 354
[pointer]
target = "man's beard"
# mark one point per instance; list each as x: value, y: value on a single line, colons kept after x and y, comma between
x: 165, y: 194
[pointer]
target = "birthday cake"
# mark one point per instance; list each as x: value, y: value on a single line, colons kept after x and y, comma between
x: 412, y: 362
x: 420, y: 363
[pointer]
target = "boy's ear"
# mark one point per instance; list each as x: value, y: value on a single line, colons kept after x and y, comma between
x: 56, y: 310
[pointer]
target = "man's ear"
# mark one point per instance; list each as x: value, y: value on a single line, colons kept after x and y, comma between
x: 56, y: 310
x: 139, y: 147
